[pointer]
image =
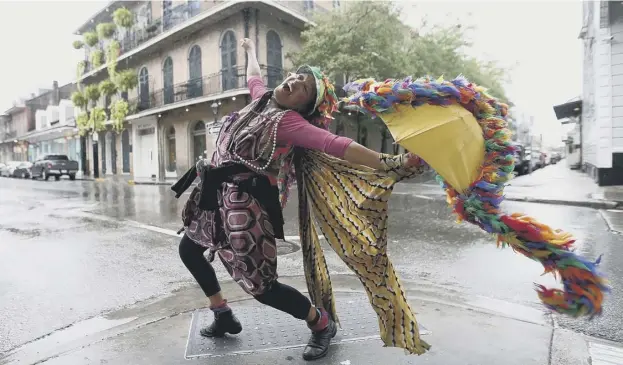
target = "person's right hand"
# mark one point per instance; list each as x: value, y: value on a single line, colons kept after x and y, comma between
x: 247, y: 44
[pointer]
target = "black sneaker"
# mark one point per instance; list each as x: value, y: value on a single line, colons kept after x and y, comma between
x: 319, y: 342
x: 224, y: 322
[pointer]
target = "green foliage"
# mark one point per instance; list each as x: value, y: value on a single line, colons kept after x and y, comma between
x: 112, y: 53
x: 126, y: 80
x: 119, y: 111
x: 82, y: 122
x: 123, y: 18
x: 97, y: 58
x: 80, y: 70
x: 78, y: 44
x: 370, y: 40
x: 92, y: 93
x: 97, y: 119
x: 106, y: 30
x: 90, y: 38
x: 107, y: 88
x: 78, y: 99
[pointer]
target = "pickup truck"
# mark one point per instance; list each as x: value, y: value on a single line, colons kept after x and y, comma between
x: 54, y: 165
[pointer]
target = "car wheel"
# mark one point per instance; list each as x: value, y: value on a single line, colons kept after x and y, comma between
x: 57, y: 177
x: 72, y: 177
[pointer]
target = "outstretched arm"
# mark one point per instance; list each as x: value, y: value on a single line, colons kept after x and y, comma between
x: 253, y: 68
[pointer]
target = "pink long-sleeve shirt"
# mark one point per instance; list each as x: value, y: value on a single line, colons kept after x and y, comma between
x: 294, y: 129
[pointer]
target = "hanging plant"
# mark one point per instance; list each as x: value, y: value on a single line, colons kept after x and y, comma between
x: 78, y: 44
x: 78, y: 99
x: 107, y: 88
x: 97, y: 120
x: 97, y: 58
x: 82, y: 122
x: 92, y: 93
x: 126, y: 80
x: 106, y: 30
x: 123, y: 18
x: 112, y: 53
x: 90, y: 38
x: 80, y: 68
x: 119, y: 111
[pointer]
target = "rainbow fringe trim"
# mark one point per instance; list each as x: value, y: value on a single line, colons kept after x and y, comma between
x: 583, y: 287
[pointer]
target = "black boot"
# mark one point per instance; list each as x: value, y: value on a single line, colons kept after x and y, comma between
x: 319, y: 342
x: 224, y: 322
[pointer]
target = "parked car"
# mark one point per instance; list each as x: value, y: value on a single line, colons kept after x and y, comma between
x: 2, y: 166
x: 22, y: 170
x: 556, y: 157
x: 522, y: 160
x: 54, y: 165
x: 7, y: 170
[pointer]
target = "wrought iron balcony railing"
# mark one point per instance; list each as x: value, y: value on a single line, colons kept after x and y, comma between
x: 218, y: 83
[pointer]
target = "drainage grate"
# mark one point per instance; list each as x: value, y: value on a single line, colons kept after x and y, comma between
x: 266, y: 329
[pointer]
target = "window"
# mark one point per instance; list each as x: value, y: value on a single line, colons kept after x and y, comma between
x: 171, y: 165
x: 308, y: 4
x: 167, y: 76
x: 143, y: 89
x: 199, y: 140
x: 274, y: 58
x: 194, y: 7
x: 195, y: 81
x: 229, y: 51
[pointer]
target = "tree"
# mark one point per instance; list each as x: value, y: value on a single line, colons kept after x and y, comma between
x: 368, y: 40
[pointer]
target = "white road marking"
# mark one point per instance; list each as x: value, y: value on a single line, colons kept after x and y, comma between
x: 166, y: 231
x: 605, y: 354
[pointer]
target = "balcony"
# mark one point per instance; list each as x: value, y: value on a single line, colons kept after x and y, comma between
x: 9, y: 135
x: 210, y: 85
x: 169, y: 28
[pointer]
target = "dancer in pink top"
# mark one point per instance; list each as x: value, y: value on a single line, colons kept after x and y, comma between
x: 235, y: 210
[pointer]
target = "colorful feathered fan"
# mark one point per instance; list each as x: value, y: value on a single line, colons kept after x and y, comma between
x: 461, y: 132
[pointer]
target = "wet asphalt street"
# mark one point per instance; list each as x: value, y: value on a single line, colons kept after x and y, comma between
x: 70, y: 250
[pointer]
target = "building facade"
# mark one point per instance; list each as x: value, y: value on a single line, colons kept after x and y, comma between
x: 191, y: 73
x: 600, y: 112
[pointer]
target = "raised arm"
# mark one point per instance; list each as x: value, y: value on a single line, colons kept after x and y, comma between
x: 253, y: 68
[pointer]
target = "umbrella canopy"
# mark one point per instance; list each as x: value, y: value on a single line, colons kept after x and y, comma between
x: 448, y: 138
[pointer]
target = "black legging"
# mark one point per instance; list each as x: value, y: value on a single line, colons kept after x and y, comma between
x: 278, y: 296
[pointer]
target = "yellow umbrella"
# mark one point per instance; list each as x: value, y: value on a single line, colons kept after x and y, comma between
x: 448, y: 138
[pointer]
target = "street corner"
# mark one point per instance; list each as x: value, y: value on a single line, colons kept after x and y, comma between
x: 614, y: 219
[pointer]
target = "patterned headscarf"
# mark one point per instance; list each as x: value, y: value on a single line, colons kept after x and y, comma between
x: 326, y: 100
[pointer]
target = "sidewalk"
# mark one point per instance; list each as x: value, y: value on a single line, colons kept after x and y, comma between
x: 462, y: 331
x: 554, y: 184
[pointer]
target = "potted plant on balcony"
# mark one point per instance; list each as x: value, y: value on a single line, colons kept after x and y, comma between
x: 123, y: 18
x: 90, y: 38
x: 78, y: 44
x: 92, y: 93
x: 97, y: 119
x: 97, y: 58
x: 126, y: 80
x: 79, y: 100
x: 119, y: 111
x: 113, y: 50
x: 107, y: 88
x: 106, y: 30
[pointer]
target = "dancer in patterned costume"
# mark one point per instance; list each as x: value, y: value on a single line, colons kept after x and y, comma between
x: 235, y: 211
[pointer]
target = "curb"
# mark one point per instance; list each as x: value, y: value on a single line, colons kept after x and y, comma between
x: 595, y: 204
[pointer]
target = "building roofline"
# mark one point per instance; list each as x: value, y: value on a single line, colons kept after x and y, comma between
x: 80, y: 29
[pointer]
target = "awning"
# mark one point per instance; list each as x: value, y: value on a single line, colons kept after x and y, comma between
x: 49, y: 134
x: 567, y: 110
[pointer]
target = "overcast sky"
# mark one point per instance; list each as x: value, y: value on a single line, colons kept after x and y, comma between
x: 538, y: 38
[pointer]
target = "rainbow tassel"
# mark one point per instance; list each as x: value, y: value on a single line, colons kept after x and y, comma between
x: 583, y: 287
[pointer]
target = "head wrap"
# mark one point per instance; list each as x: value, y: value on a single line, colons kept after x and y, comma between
x: 326, y: 101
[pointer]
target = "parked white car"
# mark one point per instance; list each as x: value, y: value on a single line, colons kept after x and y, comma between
x: 7, y: 170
